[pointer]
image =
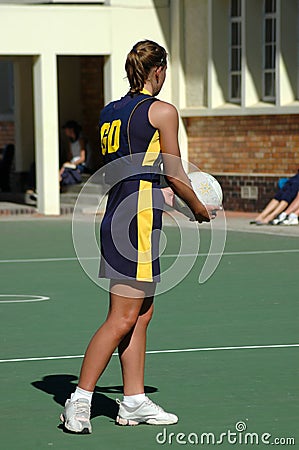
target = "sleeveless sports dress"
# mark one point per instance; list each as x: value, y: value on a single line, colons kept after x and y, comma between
x: 130, y: 229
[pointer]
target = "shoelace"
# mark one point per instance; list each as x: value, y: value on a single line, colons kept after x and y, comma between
x: 157, y: 407
x: 82, y: 410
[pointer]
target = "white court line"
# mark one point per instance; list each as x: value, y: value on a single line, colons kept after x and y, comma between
x: 34, y: 260
x: 32, y: 299
x: 156, y: 352
x: 253, y: 252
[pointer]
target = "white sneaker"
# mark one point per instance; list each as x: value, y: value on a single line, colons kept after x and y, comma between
x: 148, y: 412
x: 279, y: 219
x: 291, y: 220
x: 76, y: 416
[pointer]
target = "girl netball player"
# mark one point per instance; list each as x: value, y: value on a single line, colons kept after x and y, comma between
x: 135, y: 130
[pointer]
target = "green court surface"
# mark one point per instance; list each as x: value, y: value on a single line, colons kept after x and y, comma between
x: 223, y: 355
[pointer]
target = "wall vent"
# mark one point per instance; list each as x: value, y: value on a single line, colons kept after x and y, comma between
x: 249, y: 192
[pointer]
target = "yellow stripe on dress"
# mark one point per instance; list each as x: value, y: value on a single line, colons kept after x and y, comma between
x: 145, y: 228
x: 153, y: 150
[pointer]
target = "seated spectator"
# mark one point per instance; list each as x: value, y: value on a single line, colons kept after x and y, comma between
x: 280, y: 202
x: 5, y: 167
x: 30, y: 193
x: 290, y: 215
x: 76, y: 157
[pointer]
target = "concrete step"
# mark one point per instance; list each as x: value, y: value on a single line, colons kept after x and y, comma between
x: 88, y: 203
x: 16, y: 204
x: 87, y: 199
x: 91, y: 188
x: 93, y: 184
x: 10, y: 208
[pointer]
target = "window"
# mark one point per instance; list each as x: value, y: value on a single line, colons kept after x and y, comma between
x: 235, y: 63
x: 269, y: 75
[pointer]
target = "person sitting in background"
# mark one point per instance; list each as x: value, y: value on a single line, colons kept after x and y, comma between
x: 77, y: 144
x: 5, y: 167
x: 279, y: 203
x: 290, y: 215
x: 76, y: 155
x: 30, y: 194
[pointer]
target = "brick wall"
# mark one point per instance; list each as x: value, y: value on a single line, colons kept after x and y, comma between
x: 245, y: 150
x: 7, y: 134
x: 232, y: 185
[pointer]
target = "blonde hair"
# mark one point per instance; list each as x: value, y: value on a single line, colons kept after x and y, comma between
x: 142, y: 58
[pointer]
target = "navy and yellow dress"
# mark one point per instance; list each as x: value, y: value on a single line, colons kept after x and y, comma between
x: 130, y: 228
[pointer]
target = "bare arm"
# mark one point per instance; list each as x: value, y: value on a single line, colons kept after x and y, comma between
x: 164, y: 117
x: 81, y: 160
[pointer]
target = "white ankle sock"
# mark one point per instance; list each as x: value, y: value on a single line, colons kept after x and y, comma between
x: 133, y: 400
x: 81, y: 393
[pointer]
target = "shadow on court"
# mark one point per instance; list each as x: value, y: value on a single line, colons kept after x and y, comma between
x: 61, y: 386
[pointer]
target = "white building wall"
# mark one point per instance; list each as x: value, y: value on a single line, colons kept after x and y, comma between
x: 206, y: 54
x: 46, y: 31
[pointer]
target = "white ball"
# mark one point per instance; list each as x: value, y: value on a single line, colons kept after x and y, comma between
x: 207, y: 188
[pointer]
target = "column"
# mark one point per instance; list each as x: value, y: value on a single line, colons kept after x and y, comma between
x: 46, y: 133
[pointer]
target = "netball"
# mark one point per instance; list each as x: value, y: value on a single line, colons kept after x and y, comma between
x: 207, y: 188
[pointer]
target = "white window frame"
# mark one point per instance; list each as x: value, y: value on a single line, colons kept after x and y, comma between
x: 239, y: 45
x: 274, y: 43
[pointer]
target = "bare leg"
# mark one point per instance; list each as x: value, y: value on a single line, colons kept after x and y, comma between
x: 294, y: 206
x: 132, y: 351
x: 280, y: 207
x: 272, y: 205
x: 122, y: 316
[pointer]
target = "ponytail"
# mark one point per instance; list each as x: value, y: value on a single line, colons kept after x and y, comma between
x: 142, y: 58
